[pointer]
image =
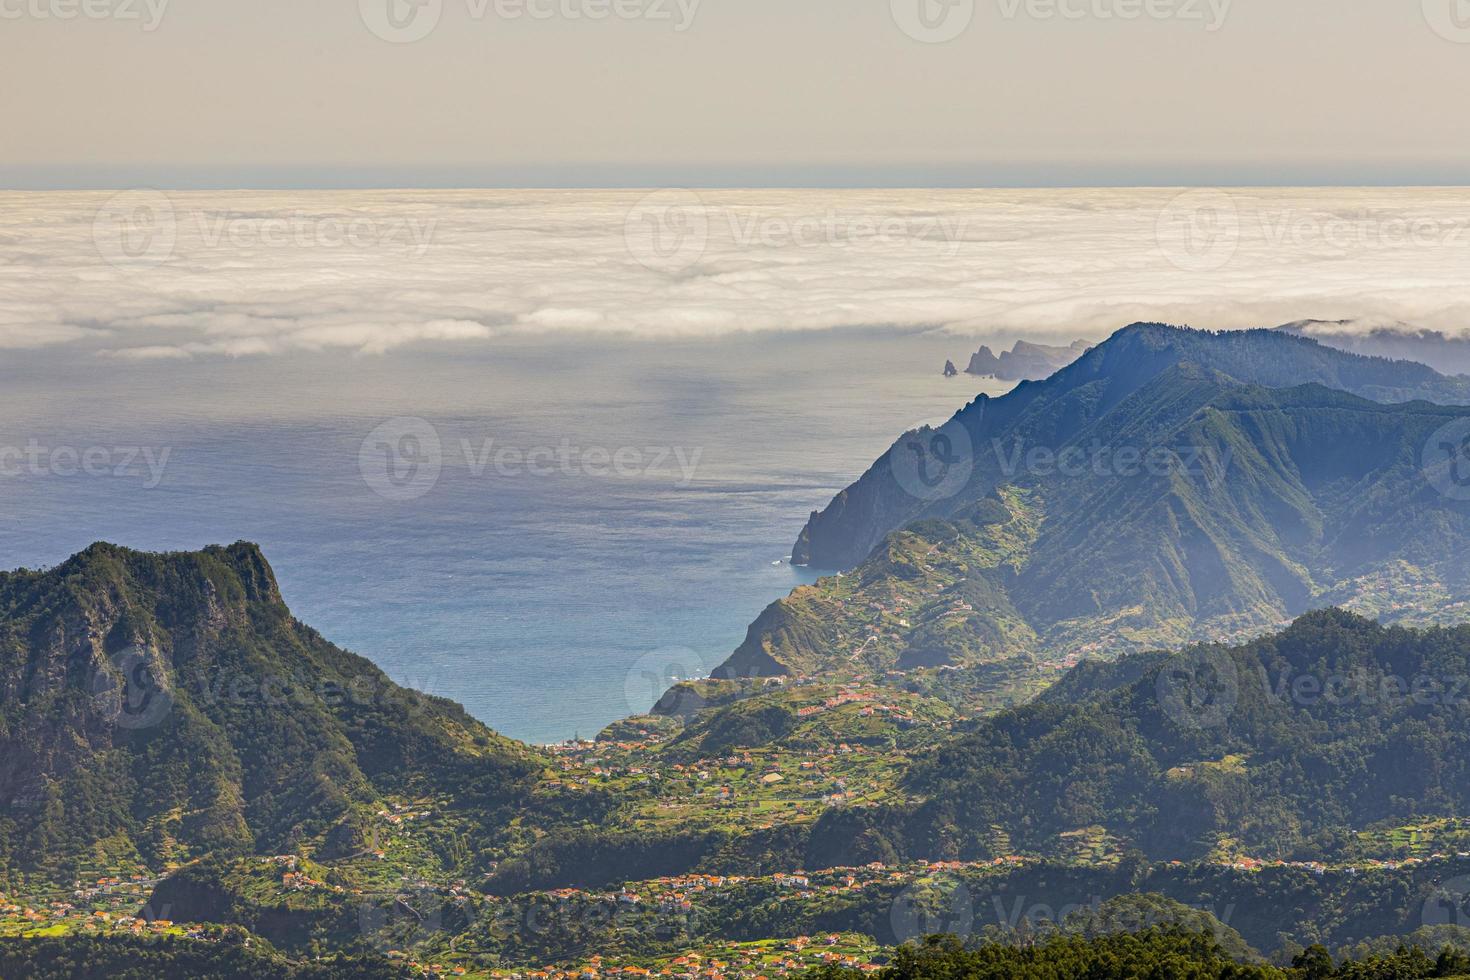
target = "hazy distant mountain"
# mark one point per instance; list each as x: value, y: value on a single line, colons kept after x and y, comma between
x: 1078, y: 396
x: 1025, y: 361
x: 1400, y: 341
x: 1158, y: 491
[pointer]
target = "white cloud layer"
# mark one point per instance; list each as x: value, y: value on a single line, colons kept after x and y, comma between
x: 144, y: 276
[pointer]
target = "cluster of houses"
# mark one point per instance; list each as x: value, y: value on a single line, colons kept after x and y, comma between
x: 72, y: 917
x: 679, y: 893
x: 402, y: 813
x: 427, y: 969
x: 109, y: 886
x: 293, y: 879
x: 843, y: 697
x: 1318, y: 868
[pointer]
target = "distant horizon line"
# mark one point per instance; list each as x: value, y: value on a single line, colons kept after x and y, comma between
x: 632, y: 188
x: 68, y: 177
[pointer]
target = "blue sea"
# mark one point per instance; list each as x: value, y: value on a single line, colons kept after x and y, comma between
x: 600, y: 516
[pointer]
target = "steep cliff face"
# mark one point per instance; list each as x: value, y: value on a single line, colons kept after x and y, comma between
x: 163, y: 706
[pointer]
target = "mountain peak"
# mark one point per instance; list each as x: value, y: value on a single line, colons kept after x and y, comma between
x: 241, y: 566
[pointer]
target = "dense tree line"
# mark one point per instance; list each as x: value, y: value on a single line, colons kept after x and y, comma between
x: 1160, y: 954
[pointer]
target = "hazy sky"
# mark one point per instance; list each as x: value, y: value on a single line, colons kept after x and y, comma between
x: 178, y: 93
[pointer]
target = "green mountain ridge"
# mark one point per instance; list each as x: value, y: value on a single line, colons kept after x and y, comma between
x: 1282, y: 747
x: 1209, y: 756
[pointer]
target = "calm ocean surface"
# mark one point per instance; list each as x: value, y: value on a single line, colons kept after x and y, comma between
x: 547, y: 592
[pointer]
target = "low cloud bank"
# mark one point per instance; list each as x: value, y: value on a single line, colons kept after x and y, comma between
x: 144, y: 276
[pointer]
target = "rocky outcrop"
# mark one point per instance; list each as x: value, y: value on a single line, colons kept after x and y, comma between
x: 1025, y: 361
